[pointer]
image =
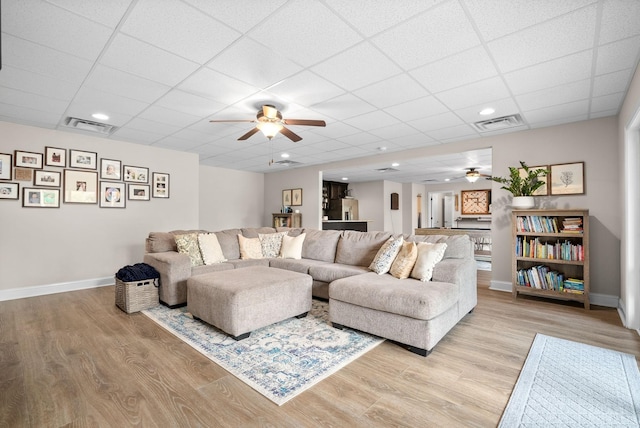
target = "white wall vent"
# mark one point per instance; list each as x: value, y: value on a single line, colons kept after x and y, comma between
x: 89, y: 125
x: 499, y: 123
x: 287, y: 162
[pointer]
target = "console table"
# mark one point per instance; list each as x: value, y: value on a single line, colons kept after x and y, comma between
x: 481, y: 238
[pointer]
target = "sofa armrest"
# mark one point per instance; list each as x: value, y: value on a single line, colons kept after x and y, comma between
x: 174, y: 269
x: 464, y: 273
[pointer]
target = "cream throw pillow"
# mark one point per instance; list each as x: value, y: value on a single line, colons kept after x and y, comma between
x: 210, y: 249
x: 271, y: 243
x: 292, y: 246
x: 386, y: 255
x: 188, y: 244
x: 250, y: 248
x: 428, y: 255
x: 405, y: 260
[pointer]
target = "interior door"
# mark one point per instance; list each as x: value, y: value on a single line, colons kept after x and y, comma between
x: 448, y: 211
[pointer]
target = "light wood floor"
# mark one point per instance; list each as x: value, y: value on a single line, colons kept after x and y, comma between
x: 74, y: 359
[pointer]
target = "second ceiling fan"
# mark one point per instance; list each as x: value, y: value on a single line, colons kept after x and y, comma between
x: 270, y: 121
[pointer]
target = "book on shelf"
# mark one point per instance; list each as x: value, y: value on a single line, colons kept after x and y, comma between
x: 559, y: 250
x: 537, y: 224
x: 540, y: 277
x: 572, y: 225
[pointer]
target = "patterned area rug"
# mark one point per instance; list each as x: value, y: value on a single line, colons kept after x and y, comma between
x: 279, y: 361
x: 570, y: 384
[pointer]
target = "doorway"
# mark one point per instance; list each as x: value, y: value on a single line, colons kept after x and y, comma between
x: 440, y: 206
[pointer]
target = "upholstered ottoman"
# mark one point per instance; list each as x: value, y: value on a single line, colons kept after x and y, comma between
x: 241, y: 300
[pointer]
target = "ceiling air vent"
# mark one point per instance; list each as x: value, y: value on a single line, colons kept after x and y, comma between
x: 386, y: 169
x: 288, y: 162
x: 499, y: 123
x: 89, y: 125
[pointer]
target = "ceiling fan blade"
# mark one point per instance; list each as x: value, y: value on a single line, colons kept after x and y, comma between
x: 269, y: 111
x: 233, y: 120
x: 305, y: 122
x: 248, y: 134
x: 290, y: 135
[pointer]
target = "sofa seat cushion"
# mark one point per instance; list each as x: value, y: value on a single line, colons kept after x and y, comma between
x: 237, y: 264
x: 217, y: 267
x: 295, y: 265
x: 332, y: 271
x: 407, y: 297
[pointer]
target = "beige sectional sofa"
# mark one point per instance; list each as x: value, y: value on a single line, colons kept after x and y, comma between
x: 411, y: 312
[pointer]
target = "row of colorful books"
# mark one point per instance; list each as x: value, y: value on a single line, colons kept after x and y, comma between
x: 536, y: 249
x: 537, y: 223
x: 543, y: 278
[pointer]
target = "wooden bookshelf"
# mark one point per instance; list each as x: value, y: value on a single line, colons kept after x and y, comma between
x: 550, y: 248
x: 287, y: 220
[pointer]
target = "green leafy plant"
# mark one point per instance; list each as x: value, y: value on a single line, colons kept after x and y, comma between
x: 522, y: 186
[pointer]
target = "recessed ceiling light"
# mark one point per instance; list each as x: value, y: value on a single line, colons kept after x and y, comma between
x: 487, y: 111
x: 284, y: 155
x: 345, y: 178
x: 382, y: 149
x: 100, y: 116
x: 395, y: 164
x: 447, y: 179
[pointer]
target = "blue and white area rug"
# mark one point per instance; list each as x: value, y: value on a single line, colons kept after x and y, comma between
x: 570, y: 384
x: 279, y: 361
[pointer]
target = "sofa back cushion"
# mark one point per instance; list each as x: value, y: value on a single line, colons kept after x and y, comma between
x: 228, y: 240
x: 359, y: 248
x: 320, y: 244
x: 253, y: 232
x: 458, y: 246
x: 160, y: 242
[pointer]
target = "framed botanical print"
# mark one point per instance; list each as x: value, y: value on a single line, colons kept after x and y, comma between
x: 47, y: 178
x: 567, y: 179
x: 83, y: 160
x: 110, y: 169
x: 55, y: 156
x: 28, y: 159
x: 40, y: 198
x: 160, y: 185
x: 296, y: 197
x: 5, y: 166
x: 475, y: 202
x: 286, y: 198
x: 112, y: 194
x: 80, y: 187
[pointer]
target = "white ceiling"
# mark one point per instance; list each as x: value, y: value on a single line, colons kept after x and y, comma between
x: 383, y: 73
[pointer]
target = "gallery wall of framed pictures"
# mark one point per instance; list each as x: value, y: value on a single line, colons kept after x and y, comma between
x: 72, y: 176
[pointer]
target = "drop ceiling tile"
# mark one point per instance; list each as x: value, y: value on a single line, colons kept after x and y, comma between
x: 562, y: 94
x: 466, y: 67
x: 455, y: 133
x: 253, y: 63
x: 392, y: 91
x: 606, y: 113
x: 416, y: 109
x: 303, y: 34
x: 306, y: 88
x: 71, y: 33
x: 190, y: 104
x: 369, y: 121
x: 612, y: 83
x: 45, y: 61
x: 557, y: 112
x: 361, y: 139
x: 554, y: 73
x: 210, y: 84
x: 107, y: 13
x: 439, y: 121
x: 146, y: 125
x: 136, y: 136
x: 27, y: 81
x: 495, y: 20
x: 393, y: 131
x: 241, y: 15
x: 133, y: 56
x: 29, y: 116
x: 553, y: 39
x: 165, y: 115
x: 559, y: 121
x: 484, y: 91
x: 127, y: 85
x: 442, y: 31
x: 108, y: 103
x: 409, y: 142
x: 618, y: 55
x: 607, y: 102
x: 175, y: 143
x: 25, y: 99
x: 82, y: 111
x: 356, y: 67
x: 503, y: 107
x: 619, y: 20
x: 343, y: 107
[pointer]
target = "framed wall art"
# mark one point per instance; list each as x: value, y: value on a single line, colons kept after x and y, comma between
x: 47, y: 178
x: 28, y: 159
x: 112, y: 194
x: 567, y: 179
x: 83, y: 160
x: 80, y: 187
x: 5, y: 166
x: 543, y: 190
x: 160, y: 185
x: 55, y: 156
x: 110, y: 169
x: 296, y: 197
x: 40, y: 198
x: 136, y: 174
x: 475, y: 202
x: 9, y: 191
x: 286, y: 198
x: 23, y: 174
x: 138, y: 192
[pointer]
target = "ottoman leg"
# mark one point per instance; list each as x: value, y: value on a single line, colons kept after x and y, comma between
x: 302, y: 315
x: 241, y: 336
x: 338, y: 326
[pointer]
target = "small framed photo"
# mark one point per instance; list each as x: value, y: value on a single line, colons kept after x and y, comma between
x: 138, y: 192
x: 40, y: 198
x: 542, y: 190
x: 567, y: 179
x: 286, y: 198
x: 47, y: 178
x: 28, y: 159
x: 160, y: 185
x: 5, y: 166
x: 23, y: 174
x: 9, y: 191
x: 112, y: 194
x: 80, y: 187
x: 83, y: 160
x: 110, y: 169
x: 55, y: 156
x: 136, y: 174
x: 296, y: 197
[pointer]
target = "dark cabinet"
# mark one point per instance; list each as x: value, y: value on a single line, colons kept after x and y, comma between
x: 332, y: 194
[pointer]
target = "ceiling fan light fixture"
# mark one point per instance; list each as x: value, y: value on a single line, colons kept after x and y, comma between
x: 472, y: 176
x: 269, y: 129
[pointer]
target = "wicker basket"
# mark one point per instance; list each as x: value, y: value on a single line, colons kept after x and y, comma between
x: 137, y: 295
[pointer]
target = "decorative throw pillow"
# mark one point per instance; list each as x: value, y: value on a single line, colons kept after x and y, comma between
x: 428, y: 255
x: 292, y: 246
x: 250, y: 248
x: 405, y: 260
x: 271, y: 243
x: 188, y: 244
x: 386, y: 254
x: 210, y: 249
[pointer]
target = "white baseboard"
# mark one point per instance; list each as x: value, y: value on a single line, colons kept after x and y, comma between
x: 500, y: 286
x: 594, y: 298
x: 42, y: 290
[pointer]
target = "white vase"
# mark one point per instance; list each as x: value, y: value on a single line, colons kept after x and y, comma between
x: 523, y: 202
